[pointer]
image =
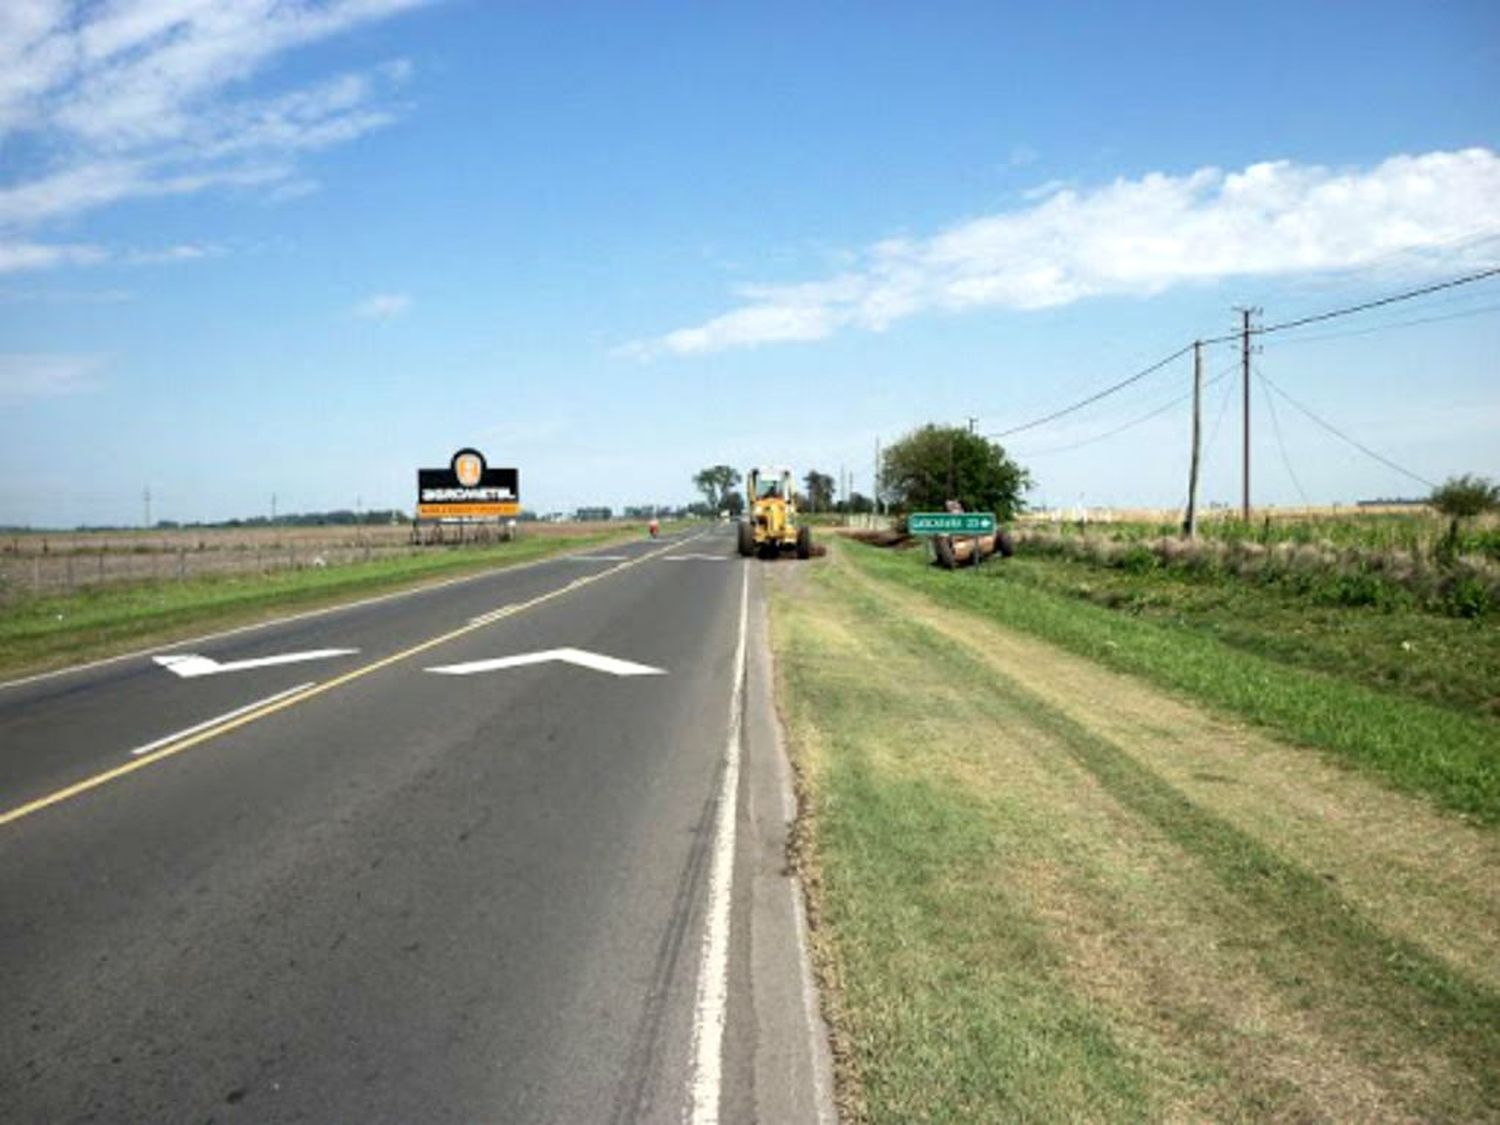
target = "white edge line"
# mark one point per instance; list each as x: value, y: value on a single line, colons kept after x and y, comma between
x: 711, y: 1008
x: 236, y: 713
x: 325, y: 610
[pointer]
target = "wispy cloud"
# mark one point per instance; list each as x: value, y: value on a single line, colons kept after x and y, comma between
x: 27, y: 375
x: 141, y: 98
x: 1131, y: 237
x: 383, y: 306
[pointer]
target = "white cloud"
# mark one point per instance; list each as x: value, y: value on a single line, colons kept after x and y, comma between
x: 27, y: 375
x: 33, y: 256
x: 1134, y: 238
x: 142, y: 98
x: 383, y: 306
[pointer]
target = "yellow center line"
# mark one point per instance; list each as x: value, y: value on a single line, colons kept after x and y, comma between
x: 201, y: 737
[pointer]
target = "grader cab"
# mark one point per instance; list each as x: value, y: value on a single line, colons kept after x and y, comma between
x: 770, y: 525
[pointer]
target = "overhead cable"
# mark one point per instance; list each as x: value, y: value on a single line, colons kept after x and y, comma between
x: 1349, y: 310
x: 1366, y: 450
x: 1286, y: 460
x: 1107, y: 391
x: 1162, y: 409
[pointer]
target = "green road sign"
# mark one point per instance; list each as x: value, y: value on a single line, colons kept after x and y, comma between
x: 951, y: 523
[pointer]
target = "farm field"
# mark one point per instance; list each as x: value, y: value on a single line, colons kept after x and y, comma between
x: 1095, y: 854
x: 36, y: 562
x: 157, y: 586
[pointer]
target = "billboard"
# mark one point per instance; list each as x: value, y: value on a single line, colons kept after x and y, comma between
x: 468, y: 489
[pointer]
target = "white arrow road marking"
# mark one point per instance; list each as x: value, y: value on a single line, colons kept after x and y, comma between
x: 189, y: 665
x: 235, y: 714
x: 576, y: 656
x: 696, y: 558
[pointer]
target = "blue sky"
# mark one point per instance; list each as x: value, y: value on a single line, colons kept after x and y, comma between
x: 304, y: 248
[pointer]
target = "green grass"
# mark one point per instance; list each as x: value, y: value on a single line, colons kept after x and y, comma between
x: 1449, y: 661
x: 41, y: 632
x: 1443, y: 752
x: 1021, y: 920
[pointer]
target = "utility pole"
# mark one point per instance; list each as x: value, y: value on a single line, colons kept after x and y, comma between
x: 146, y: 500
x: 1190, y: 521
x: 878, y: 478
x: 1245, y: 314
x: 972, y: 422
x: 273, y: 507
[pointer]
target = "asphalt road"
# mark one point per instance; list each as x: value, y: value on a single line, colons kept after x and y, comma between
x: 352, y: 888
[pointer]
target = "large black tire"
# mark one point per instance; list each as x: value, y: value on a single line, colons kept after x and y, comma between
x: 1005, y: 546
x: 804, y: 542
x: 747, y: 539
x: 942, y: 547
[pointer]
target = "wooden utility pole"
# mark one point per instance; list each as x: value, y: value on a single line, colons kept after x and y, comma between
x: 1190, y: 521
x: 1245, y: 367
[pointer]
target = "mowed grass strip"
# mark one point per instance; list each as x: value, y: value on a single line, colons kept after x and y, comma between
x: 1028, y: 922
x: 41, y: 632
x: 1451, y: 757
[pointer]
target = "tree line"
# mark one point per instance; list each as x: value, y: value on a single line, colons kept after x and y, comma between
x: 923, y: 471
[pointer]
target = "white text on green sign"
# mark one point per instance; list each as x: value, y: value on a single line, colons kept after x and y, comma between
x: 951, y: 523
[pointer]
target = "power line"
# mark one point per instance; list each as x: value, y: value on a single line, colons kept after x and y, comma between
x: 1106, y: 392
x: 1262, y: 330
x: 1223, y: 412
x: 1349, y: 310
x: 1286, y: 461
x: 1394, y: 324
x: 1162, y: 409
x: 1366, y: 450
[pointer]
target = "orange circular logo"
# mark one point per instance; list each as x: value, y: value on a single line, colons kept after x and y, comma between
x: 468, y: 467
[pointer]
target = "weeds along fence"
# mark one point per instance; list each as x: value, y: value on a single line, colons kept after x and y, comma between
x: 1428, y: 575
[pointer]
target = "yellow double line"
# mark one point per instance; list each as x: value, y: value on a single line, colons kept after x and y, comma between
x: 189, y: 741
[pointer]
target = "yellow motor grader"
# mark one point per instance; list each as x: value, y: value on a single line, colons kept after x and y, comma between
x: 770, y: 525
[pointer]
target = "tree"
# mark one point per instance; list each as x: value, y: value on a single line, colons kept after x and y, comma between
x: 934, y: 464
x: 819, y: 490
x: 715, y: 483
x: 1465, y: 497
x: 1461, y: 498
x: 734, y: 503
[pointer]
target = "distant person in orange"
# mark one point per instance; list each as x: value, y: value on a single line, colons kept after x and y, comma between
x: 655, y: 527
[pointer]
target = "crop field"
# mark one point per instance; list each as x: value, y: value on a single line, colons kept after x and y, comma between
x: 1087, y: 842
x: 1414, y: 529
x: 59, y: 562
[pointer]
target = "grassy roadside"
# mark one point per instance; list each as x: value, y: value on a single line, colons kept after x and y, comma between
x: 1451, y: 661
x: 39, y: 633
x: 1450, y: 753
x: 1047, y: 892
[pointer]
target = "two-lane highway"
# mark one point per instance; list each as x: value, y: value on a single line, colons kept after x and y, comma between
x: 365, y: 865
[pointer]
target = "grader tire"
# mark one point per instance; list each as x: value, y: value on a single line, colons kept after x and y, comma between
x: 747, y: 540
x: 942, y: 546
x: 1005, y: 546
x: 804, y: 542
